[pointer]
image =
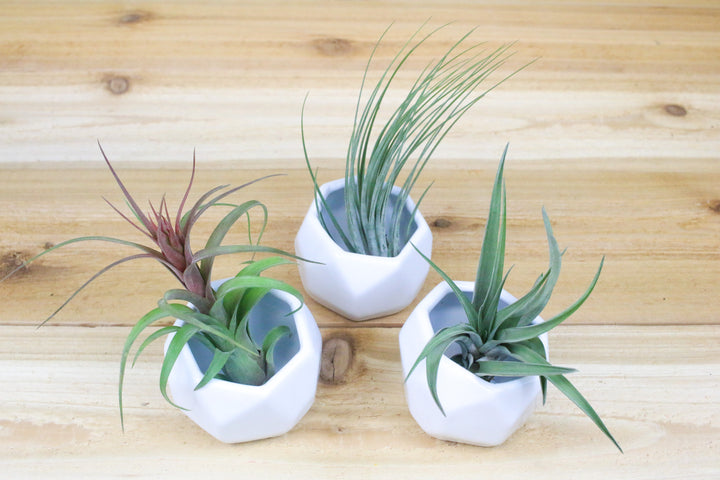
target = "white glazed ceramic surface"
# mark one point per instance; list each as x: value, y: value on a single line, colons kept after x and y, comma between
x: 360, y: 287
x: 477, y: 412
x: 232, y: 412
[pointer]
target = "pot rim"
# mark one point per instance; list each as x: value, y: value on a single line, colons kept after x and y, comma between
x: 421, y: 224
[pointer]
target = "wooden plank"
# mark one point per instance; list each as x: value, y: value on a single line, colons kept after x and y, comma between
x: 656, y: 387
x: 632, y: 80
x: 659, y: 232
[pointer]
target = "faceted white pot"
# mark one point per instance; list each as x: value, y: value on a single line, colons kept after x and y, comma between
x: 478, y: 412
x: 359, y: 287
x: 233, y: 412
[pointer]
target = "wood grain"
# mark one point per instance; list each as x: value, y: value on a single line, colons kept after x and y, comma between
x: 59, y: 413
x: 613, y: 128
x: 658, y: 230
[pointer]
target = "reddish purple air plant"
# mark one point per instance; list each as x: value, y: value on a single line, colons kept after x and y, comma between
x: 171, y: 238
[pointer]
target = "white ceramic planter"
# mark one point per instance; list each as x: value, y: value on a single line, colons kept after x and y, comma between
x: 232, y: 412
x: 359, y: 287
x: 477, y: 412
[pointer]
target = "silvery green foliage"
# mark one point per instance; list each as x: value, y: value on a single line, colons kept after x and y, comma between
x: 378, y: 154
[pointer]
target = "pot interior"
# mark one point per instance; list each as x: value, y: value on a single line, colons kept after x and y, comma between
x: 336, y: 205
x: 269, y: 313
x: 448, y: 312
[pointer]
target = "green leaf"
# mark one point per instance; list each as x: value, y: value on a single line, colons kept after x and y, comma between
x: 245, y: 282
x: 433, y: 352
x: 219, y: 360
x: 221, y: 229
x: 151, y: 338
x: 499, y: 368
x: 230, y: 249
x: 268, y: 346
x: 147, y: 320
x: 204, y: 323
x: 492, y: 256
x: 178, y: 342
x: 567, y: 388
x: 564, y: 385
x: 470, y: 312
x: 256, y: 267
x: 201, y: 303
x: 524, y: 311
x: 518, y: 334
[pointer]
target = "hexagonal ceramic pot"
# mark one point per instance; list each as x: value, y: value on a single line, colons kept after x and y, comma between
x: 233, y: 412
x: 359, y: 287
x: 478, y: 412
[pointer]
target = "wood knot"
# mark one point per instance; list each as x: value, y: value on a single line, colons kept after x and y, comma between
x: 131, y: 18
x: 675, y: 110
x: 333, y: 47
x: 13, y: 262
x: 335, y: 360
x: 714, y: 205
x: 117, y: 85
x: 442, y: 223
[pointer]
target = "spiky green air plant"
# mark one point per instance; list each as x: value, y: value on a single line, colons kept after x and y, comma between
x: 224, y: 330
x: 218, y: 319
x: 505, y: 342
x: 441, y: 95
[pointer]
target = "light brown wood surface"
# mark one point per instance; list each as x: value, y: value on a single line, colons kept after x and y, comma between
x: 615, y: 129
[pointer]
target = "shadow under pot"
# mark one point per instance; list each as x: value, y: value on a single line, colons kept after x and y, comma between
x: 359, y: 286
x: 477, y: 411
x: 233, y: 412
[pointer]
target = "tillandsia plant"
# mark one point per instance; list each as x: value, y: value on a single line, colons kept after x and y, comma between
x: 224, y: 330
x: 218, y: 318
x: 498, y: 341
x: 440, y: 96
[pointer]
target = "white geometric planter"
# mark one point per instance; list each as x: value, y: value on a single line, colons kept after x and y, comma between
x: 359, y: 287
x: 233, y: 412
x: 477, y: 412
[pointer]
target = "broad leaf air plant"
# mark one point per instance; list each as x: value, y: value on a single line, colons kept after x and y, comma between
x: 440, y: 96
x: 218, y: 318
x: 504, y: 342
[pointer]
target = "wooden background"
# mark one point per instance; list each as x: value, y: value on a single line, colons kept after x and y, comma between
x: 615, y: 129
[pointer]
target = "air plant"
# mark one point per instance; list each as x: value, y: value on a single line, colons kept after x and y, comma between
x: 498, y: 341
x: 224, y: 330
x: 441, y: 95
x: 217, y: 318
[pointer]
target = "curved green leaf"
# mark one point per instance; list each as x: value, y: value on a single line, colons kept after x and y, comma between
x: 219, y: 360
x: 470, y: 312
x: 499, y: 368
x: 433, y: 352
x: 567, y: 388
x: 147, y: 320
x: 222, y: 228
x: 178, y: 342
x: 268, y: 346
x: 518, y: 334
x: 151, y: 338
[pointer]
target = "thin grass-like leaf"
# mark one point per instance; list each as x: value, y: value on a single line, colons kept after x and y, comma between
x: 443, y: 92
